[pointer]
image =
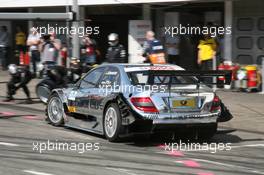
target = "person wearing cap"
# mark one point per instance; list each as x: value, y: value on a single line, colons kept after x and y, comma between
x: 33, y: 42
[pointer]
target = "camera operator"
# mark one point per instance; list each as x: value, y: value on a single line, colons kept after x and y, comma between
x: 89, y: 51
x: 49, y: 49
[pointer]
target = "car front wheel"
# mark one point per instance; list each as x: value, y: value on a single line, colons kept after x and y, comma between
x: 112, y: 123
x: 55, y: 111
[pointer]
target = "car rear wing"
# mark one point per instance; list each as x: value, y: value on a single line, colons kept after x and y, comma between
x: 225, y: 75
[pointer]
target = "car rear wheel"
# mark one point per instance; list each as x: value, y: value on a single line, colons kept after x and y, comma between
x: 112, y: 123
x: 55, y: 110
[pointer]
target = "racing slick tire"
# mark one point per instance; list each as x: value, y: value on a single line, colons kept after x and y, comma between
x: 112, y: 125
x: 55, y: 110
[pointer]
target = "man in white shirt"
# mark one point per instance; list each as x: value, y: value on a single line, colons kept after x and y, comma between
x: 33, y: 41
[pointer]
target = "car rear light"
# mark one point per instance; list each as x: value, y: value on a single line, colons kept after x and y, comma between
x: 216, y: 105
x: 144, y: 104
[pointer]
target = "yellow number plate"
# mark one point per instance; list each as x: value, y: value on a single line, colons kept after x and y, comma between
x: 184, y: 103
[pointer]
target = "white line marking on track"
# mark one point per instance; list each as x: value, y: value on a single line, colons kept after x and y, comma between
x: 8, y: 144
x: 253, y: 145
x: 36, y: 172
x: 122, y: 170
x: 229, y: 165
x: 161, y: 152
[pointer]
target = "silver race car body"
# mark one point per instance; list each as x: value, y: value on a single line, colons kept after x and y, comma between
x: 120, y: 99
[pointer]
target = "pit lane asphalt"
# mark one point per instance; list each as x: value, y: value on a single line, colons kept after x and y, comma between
x: 21, y: 127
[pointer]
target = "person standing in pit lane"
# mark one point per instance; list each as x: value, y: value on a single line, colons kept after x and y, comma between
x: 33, y: 42
x: 206, y: 54
x: 153, y: 50
x: 116, y: 52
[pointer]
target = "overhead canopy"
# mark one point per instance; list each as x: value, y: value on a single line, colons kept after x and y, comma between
x: 32, y: 16
x: 52, y: 3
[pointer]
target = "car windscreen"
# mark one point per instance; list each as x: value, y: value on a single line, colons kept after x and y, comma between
x: 143, y: 78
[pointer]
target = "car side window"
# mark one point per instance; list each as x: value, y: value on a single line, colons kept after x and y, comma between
x: 111, y: 78
x: 91, y: 79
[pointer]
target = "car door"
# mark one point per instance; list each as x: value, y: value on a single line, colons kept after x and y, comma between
x: 109, y: 83
x: 79, y: 101
x: 82, y: 94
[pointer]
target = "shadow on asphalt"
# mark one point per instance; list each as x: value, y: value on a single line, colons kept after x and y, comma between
x: 84, y: 132
x: 24, y: 102
x: 148, y: 140
x: 21, y: 100
x: 5, y: 117
x: 34, y: 98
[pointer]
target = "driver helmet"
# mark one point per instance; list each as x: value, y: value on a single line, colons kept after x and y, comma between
x: 113, y: 39
x: 12, y: 69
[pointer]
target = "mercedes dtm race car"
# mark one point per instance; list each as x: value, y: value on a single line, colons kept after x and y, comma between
x: 116, y: 100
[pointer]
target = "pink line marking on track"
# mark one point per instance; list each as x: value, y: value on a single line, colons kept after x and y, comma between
x: 32, y: 117
x: 205, y: 174
x: 161, y: 146
x: 190, y: 163
x: 176, y: 153
x: 171, y: 153
x: 7, y: 113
